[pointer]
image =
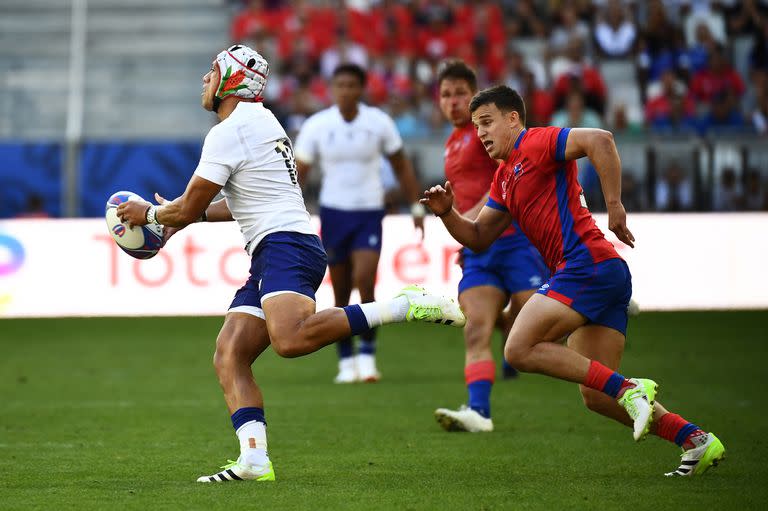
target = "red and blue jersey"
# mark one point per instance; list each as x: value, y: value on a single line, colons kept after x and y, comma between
x: 469, y: 169
x: 540, y: 189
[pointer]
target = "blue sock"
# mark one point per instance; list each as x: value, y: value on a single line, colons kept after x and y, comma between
x: 345, y: 348
x: 480, y: 397
x: 357, y: 322
x: 368, y: 342
x: 243, y: 415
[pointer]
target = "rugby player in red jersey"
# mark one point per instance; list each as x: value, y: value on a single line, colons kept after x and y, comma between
x: 587, y: 296
x: 509, y: 271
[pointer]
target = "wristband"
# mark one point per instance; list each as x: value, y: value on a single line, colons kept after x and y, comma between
x: 151, y: 215
x: 418, y: 210
x: 203, y: 217
x: 441, y: 215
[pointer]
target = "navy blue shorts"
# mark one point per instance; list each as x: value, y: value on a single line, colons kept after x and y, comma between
x: 346, y: 231
x: 284, y: 262
x: 508, y: 264
x: 601, y: 292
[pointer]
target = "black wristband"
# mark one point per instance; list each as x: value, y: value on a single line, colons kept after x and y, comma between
x: 441, y: 215
x: 204, y: 216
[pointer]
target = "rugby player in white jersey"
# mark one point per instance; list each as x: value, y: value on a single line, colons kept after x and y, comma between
x: 346, y: 143
x: 248, y: 158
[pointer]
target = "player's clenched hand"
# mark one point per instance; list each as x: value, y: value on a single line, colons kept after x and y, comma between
x: 133, y: 212
x: 438, y: 199
x: 617, y: 222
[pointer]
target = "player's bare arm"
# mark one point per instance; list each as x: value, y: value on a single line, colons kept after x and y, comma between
x: 478, y: 234
x: 598, y: 145
x: 180, y: 212
x: 404, y: 173
x: 303, y: 169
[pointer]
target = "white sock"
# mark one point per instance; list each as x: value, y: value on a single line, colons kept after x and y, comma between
x: 253, y: 443
x: 380, y: 313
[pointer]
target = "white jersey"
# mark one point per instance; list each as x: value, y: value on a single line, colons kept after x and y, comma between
x: 349, y: 155
x: 249, y: 154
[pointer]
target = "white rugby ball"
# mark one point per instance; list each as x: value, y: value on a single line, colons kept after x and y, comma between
x: 141, y: 242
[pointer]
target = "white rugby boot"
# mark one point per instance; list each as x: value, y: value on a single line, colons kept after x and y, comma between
x: 240, y: 471
x: 638, y: 402
x: 463, y: 419
x: 366, y: 368
x: 347, y: 371
x: 696, y: 461
x: 424, y: 306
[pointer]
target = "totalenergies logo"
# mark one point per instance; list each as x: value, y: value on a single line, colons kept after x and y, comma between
x: 11, y: 255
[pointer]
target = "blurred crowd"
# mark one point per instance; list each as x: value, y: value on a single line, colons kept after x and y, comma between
x: 686, y: 67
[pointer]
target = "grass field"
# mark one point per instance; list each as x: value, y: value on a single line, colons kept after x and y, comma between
x: 126, y: 413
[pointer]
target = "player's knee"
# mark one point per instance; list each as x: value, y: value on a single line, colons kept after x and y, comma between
x: 516, y: 355
x: 286, y: 348
x: 593, y: 399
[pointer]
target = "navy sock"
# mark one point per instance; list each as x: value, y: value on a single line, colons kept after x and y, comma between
x: 243, y: 415
x: 357, y: 322
x: 368, y: 342
x: 345, y: 348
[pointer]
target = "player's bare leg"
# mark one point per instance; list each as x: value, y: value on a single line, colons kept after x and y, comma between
x: 531, y: 348
x: 481, y: 305
x: 242, y: 338
x: 505, y: 321
x: 364, y: 266
x: 341, y: 281
x: 607, y: 346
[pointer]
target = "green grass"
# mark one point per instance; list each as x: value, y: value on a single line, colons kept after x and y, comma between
x: 126, y: 413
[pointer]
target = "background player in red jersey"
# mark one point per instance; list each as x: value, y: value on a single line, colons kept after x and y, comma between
x: 587, y: 296
x: 509, y: 271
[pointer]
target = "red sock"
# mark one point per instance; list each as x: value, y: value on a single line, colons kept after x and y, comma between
x: 604, y: 379
x: 675, y: 429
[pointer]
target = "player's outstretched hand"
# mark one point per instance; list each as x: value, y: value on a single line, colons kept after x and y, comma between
x: 617, y: 222
x: 439, y: 199
x: 167, y: 231
x: 133, y: 212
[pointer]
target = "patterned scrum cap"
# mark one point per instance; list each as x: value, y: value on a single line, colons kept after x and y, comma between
x: 243, y: 73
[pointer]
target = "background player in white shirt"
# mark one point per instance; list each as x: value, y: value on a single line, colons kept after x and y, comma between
x: 248, y: 158
x: 346, y: 142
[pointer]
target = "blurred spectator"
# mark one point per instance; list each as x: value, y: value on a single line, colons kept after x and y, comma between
x: 760, y: 107
x: 524, y: 19
x: 539, y: 104
x: 758, y: 56
x: 755, y: 196
x: 35, y: 208
x: 513, y: 74
x: 674, y: 191
x: 727, y: 196
x: 575, y: 114
x: 718, y: 89
x: 697, y: 55
x: 661, y: 45
x: 703, y: 12
x: 408, y: 123
x: 620, y: 123
x: 344, y: 51
x: 568, y: 28
x: 744, y: 16
x: 580, y: 75
x: 615, y: 33
x: 631, y: 193
x: 669, y: 109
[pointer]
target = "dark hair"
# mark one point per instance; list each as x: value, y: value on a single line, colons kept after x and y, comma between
x: 457, y: 70
x: 506, y: 99
x: 351, y: 69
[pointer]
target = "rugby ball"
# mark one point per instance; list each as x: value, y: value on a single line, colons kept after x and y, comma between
x: 141, y: 242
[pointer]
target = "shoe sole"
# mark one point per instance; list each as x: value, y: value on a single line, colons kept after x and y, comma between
x: 652, y: 402
x: 449, y: 423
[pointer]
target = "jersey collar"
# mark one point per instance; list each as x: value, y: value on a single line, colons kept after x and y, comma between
x: 520, y: 138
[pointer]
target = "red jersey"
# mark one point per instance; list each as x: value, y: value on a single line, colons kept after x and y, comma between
x: 541, y: 191
x: 469, y: 168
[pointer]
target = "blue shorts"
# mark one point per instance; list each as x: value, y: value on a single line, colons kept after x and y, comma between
x: 346, y: 231
x: 601, y: 292
x: 508, y: 264
x: 282, y: 262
